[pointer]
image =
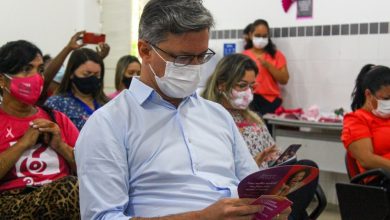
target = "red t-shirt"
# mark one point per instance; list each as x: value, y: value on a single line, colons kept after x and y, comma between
x: 363, y: 124
x: 267, y: 86
x: 39, y: 164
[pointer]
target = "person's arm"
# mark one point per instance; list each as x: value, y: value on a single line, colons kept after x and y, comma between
x: 67, y: 152
x: 9, y: 157
x: 278, y: 71
x: 55, y: 65
x: 223, y: 209
x: 233, y: 209
x: 362, y: 150
x: 280, y: 75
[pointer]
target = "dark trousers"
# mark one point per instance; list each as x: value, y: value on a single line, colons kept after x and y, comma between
x: 262, y: 106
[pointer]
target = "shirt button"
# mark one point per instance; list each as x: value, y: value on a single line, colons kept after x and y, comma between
x: 189, y: 140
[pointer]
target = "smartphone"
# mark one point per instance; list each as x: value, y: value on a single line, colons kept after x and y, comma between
x: 93, y: 38
x: 287, y: 156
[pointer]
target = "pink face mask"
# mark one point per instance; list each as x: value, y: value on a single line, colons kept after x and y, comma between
x: 240, y: 99
x: 26, y: 89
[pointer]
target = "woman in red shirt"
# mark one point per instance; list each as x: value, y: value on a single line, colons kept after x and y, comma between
x: 36, y: 144
x: 366, y: 130
x: 272, y: 69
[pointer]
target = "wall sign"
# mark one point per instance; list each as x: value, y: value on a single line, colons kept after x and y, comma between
x: 229, y: 49
x: 304, y: 8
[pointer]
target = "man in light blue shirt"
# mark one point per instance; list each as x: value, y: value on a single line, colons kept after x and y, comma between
x: 158, y: 149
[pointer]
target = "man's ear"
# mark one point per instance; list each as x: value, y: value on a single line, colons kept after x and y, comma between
x: 144, y: 50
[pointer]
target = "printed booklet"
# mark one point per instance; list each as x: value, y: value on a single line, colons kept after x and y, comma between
x: 271, y: 186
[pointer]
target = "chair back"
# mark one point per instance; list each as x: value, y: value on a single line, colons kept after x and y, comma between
x: 363, y: 202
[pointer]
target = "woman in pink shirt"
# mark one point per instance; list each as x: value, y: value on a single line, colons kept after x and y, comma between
x: 36, y: 144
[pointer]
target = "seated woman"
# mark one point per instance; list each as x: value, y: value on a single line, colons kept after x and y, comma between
x: 54, y: 70
x: 366, y: 130
x: 81, y: 90
x: 127, y: 67
x: 231, y: 85
x: 36, y: 144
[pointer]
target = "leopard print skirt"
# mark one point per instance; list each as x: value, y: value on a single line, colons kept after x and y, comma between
x: 57, y: 200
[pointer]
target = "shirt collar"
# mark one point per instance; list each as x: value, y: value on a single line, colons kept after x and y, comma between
x: 143, y: 92
x: 140, y: 90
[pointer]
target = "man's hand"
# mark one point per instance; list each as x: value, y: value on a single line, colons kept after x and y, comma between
x: 283, y: 215
x: 231, y: 209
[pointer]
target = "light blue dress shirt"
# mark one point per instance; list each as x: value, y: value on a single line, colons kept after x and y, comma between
x: 141, y: 156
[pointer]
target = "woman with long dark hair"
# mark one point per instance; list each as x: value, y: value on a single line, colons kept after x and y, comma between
x: 36, y: 144
x: 366, y: 130
x: 231, y: 85
x: 272, y: 67
x: 81, y: 90
x: 127, y: 67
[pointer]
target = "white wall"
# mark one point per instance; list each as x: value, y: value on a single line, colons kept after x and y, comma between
x: 116, y: 19
x: 322, y: 69
x: 233, y: 14
x: 47, y: 23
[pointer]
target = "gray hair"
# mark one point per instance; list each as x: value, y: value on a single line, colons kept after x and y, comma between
x: 161, y: 17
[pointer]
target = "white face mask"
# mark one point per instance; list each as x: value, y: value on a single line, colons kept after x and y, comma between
x: 178, y: 82
x: 383, y: 109
x: 260, y: 42
x: 240, y: 99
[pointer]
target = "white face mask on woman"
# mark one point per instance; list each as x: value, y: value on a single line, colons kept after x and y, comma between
x: 383, y: 109
x: 240, y: 99
x: 178, y: 82
x: 260, y: 42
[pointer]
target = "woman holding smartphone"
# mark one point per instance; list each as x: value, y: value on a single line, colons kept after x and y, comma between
x: 231, y: 85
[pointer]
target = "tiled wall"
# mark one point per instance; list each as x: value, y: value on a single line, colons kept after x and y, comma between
x: 309, y: 31
x: 323, y: 60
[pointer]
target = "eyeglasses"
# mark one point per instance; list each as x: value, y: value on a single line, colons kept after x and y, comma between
x: 184, y: 60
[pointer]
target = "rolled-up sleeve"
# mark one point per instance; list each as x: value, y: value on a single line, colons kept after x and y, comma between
x: 102, y: 170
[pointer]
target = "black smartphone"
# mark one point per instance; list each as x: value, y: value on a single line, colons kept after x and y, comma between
x: 288, y: 156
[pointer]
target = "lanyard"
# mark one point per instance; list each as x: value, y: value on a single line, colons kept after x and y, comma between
x: 86, y: 108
